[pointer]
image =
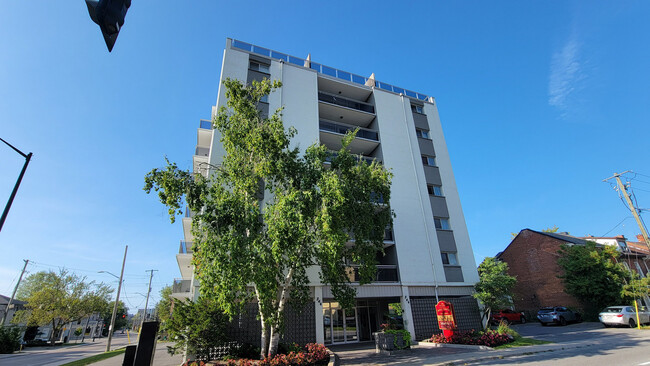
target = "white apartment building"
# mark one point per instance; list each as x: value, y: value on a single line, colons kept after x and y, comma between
x: 428, y: 254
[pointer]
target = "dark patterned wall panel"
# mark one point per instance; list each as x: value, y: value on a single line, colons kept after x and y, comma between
x: 426, y: 323
x: 299, y: 325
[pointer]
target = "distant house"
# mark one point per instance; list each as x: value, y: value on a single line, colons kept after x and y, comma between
x: 16, y: 305
x: 532, y: 258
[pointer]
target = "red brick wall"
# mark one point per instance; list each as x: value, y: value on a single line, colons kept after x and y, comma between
x: 532, y: 258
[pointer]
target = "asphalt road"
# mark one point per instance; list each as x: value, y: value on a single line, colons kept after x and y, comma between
x: 53, y: 356
x: 586, y: 344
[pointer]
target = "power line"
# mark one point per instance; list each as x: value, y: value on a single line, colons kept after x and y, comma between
x: 617, y: 225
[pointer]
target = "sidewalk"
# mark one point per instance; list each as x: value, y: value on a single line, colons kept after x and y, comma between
x: 426, y: 354
x: 161, y: 358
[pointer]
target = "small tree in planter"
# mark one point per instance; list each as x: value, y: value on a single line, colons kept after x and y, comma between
x: 393, y: 335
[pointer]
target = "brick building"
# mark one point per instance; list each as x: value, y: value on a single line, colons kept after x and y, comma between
x: 532, y: 258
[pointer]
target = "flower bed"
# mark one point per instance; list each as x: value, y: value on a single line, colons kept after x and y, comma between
x: 311, y: 354
x: 490, y: 338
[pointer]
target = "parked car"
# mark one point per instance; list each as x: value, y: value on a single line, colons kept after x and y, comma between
x: 508, y: 316
x: 557, y: 315
x: 623, y: 315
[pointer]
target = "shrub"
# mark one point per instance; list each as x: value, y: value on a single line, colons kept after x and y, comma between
x: 490, y: 338
x: 9, y: 339
x: 311, y: 354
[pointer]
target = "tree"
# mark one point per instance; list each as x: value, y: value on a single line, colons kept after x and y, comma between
x: 120, y: 316
x: 637, y: 288
x: 196, y: 327
x: 592, y: 275
x: 164, y: 306
x: 60, y: 298
x: 268, y: 213
x: 494, y: 288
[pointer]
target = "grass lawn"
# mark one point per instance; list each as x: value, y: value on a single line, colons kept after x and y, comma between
x: 95, y: 358
x: 520, y: 342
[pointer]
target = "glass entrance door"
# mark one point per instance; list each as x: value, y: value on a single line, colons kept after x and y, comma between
x: 339, y: 325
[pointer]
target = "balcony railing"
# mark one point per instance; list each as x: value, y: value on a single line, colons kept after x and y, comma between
x: 185, y: 248
x: 205, y: 124
x: 368, y: 160
x: 322, y: 69
x: 343, y: 129
x: 202, y: 151
x: 181, y: 286
x: 385, y: 273
x: 345, y: 102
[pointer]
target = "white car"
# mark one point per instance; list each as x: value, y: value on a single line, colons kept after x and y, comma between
x: 623, y: 315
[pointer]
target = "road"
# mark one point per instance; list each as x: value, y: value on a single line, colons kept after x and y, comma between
x: 53, y: 356
x: 586, y: 344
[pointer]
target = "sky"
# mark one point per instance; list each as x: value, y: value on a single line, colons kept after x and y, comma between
x: 539, y: 102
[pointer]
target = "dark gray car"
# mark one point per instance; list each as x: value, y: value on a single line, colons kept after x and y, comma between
x: 557, y: 315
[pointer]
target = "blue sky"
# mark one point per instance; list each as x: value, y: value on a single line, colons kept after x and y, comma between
x: 539, y: 100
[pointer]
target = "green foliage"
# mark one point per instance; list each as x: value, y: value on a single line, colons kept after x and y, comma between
x: 164, y: 306
x: 199, y: 326
x: 268, y: 212
x: 56, y: 299
x: 592, y: 275
x: 406, y: 335
x: 9, y: 339
x: 553, y: 229
x: 93, y: 359
x: 637, y: 288
x: 107, y: 312
x: 504, y: 328
x: 494, y: 288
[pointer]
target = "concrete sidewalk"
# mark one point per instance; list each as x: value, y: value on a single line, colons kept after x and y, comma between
x: 427, y: 354
x: 161, y: 358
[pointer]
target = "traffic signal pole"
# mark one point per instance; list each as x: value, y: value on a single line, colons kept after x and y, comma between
x: 117, y: 299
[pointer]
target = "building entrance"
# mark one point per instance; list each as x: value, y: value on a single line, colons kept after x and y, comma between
x: 350, y: 326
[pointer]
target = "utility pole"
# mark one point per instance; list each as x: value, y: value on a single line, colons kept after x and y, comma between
x: 117, y: 299
x: 27, y: 157
x: 634, y: 210
x: 144, y: 315
x: 4, y: 317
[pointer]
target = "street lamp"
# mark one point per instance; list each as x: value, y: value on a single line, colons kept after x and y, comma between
x: 27, y: 157
x: 117, y: 299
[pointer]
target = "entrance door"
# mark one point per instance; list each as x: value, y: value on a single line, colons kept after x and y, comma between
x: 340, y: 326
x: 367, y: 320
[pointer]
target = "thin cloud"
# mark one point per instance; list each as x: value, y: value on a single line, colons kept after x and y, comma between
x: 566, y: 74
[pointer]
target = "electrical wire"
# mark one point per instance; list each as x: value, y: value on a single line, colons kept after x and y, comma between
x: 617, y: 225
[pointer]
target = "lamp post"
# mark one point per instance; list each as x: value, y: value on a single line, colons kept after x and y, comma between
x: 117, y: 299
x: 27, y: 157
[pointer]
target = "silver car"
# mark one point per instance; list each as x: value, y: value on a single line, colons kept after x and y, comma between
x: 623, y: 315
x: 557, y: 315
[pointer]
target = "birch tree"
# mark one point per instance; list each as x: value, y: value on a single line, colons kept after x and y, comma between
x: 268, y: 213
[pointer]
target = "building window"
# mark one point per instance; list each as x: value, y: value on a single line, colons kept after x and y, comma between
x: 256, y: 66
x: 428, y: 160
x: 441, y: 224
x: 264, y: 99
x: 417, y: 108
x: 434, y: 190
x: 422, y: 133
x: 449, y: 259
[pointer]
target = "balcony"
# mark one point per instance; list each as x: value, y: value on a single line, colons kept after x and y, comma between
x: 331, y: 135
x: 366, y: 159
x: 204, y: 134
x: 385, y: 273
x: 181, y: 289
x: 185, y: 247
x: 349, y: 111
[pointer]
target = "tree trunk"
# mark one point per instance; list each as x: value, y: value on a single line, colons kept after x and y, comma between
x: 53, y: 333
x: 264, y: 346
x: 275, y: 330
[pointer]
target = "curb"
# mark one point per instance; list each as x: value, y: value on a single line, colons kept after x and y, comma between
x: 448, y: 345
x: 521, y: 351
